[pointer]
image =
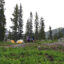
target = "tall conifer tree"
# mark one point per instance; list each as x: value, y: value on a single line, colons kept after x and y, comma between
x: 20, y: 23
x: 36, y: 26
x: 15, y: 23
x: 50, y: 33
x: 42, y: 32
x: 2, y: 20
x: 29, y: 26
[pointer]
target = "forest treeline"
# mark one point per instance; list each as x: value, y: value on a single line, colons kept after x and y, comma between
x: 17, y: 28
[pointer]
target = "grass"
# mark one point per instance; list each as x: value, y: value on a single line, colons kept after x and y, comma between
x: 5, y: 43
x: 31, y: 55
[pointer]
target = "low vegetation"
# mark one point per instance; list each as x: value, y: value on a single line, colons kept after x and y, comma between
x: 35, y: 54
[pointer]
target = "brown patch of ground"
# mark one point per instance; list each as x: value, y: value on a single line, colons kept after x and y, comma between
x: 49, y: 57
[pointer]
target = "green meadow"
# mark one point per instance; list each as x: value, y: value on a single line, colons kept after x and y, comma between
x: 32, y: 54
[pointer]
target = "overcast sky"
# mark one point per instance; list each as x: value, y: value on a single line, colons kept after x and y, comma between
x: 51, y: 10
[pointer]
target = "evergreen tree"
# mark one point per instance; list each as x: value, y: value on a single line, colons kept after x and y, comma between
x: 29, y: 27
x: 20, y: 23
x: 15, y: 23
x: 2, y: 20
x: 41, y: 32
x: 50, y: 33
x: 36, y: 26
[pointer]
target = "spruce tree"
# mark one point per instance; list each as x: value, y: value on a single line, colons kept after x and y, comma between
x: 29, y: 26
x: 2, y: 20
x: 20, y: 23
x: 36, y: 26
x: 50, y: 33
x: 41, y: 32
x: 15, y: 23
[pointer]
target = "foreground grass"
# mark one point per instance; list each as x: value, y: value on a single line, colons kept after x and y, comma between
x: 30, y: 55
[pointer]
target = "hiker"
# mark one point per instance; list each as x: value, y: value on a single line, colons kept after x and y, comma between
x: 28, y: 39
x: 32, y: 38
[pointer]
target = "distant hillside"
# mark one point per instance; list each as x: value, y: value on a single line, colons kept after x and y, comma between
x: 55, y: 31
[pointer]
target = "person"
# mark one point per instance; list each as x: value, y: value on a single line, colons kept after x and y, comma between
x: 28, y: 39
x: 32, y: 38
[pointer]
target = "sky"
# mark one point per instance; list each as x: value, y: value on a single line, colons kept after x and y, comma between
x: 51, y: 10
